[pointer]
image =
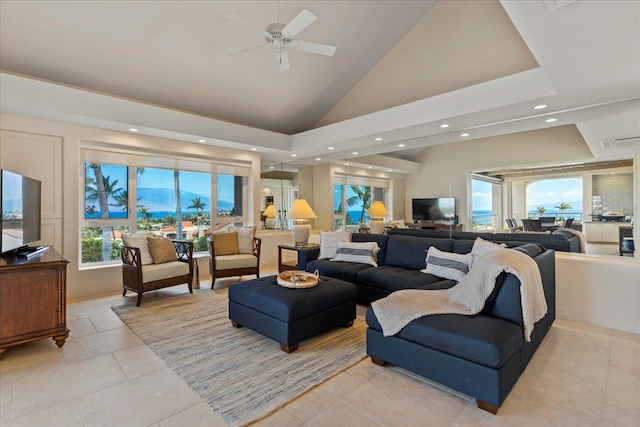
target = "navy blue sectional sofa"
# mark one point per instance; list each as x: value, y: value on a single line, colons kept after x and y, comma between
x: 482, y: 355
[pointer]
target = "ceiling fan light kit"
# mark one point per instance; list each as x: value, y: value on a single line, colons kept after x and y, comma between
x: 281, y: 37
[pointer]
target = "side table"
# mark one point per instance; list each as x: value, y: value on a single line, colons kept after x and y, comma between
x: 291, y: 265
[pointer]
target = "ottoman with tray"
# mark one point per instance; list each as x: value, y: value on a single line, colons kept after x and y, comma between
x: 290, y: 315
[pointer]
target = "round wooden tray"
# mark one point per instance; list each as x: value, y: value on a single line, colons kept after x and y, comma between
x: 297, y: 279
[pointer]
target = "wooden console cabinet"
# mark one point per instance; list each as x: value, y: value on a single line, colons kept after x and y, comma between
x: 33, y: 295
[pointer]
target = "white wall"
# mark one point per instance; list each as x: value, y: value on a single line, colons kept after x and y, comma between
x: 100, y: 280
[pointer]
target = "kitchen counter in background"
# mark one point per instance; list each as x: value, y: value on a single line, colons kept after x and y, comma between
x: 603, y: 231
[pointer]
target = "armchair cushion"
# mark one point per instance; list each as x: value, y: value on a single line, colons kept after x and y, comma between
x: 165, y: 270
x: 245, y: 238
x: 162, y: 250
x: 140, y: 242
x: 225, y: 243
x: 228, y: 262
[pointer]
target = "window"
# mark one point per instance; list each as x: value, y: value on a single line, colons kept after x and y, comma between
x: 164, y: 196
x: 351, y: 203
x: 486, y: 203
x: 560, y: 198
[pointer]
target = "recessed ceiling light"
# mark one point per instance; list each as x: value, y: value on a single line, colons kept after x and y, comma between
x: 464, y: 134
x: 401, y: 145
x: 444, y: 125
x: 294, y: 155
x: 272, y: 167
x: 133, y: 130
x: 389, y: 170
x: 202, y: 140
x: 346, y: 163
x: 378, y: 139
x: 253, y: 148
x: 369, y: 167
x: 551, y: 120
x: 540, y: 107
x: 318, y: 158
x: 354, y: 152
x: 330, y: 148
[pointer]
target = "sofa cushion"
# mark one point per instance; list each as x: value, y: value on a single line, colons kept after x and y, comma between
x: 225, y: 243
x: 380, y: 239
x: 139, y: 241
x: 329, y: 242
x: 359, y: 252
x: 409, y: 251
x: 531, y: 249
x: 346, y: 271
x: 447, y: 265
x: 228, y: 262
x: 162, y: 250
x: 165, y: 270
x: 392, y: 278
x: 245, y: 238
x: 486, y: 340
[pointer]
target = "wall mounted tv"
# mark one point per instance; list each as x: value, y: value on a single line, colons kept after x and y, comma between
x: 434, y: 209
x: 20, y: 207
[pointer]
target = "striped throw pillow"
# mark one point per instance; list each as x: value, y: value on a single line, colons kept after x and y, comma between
x: 359, y: 252
x: 447, y: 265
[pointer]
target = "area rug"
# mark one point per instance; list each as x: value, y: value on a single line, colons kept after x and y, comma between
x: 241, y: 374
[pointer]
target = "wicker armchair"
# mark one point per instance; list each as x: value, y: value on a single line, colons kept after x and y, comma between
x: 144, y: 278
x: 241, y: 264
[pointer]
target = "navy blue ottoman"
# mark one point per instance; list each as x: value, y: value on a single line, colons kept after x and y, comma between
x: 289, y: 316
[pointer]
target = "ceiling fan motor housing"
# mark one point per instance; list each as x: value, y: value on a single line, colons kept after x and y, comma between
x: 276, y: 33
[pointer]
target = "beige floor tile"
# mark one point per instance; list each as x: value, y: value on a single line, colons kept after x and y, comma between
x: 393, y: 398
x: 200, y: 415
x: 365, y: 369
x: 80, y: 328
x: 623, y: 389
x: 625, y: 356
x: 139, y: 402
x: 63, y: 414
x: 62, y: 384
x: 617, y: 416
x: 5, y: 402
x: 89, y: 346
x: 30, y: 358
x: 106, y: 322
x: 342, y: 384
x: 311, y: 403
x: 340, y: 415
x: 138, y: 361
x: 280, y: 418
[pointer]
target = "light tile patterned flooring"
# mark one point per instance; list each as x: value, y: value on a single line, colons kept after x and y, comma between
x: 104, y: 375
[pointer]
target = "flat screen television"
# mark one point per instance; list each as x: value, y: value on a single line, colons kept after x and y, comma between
x: 20, y: 207
x: 434, y: 209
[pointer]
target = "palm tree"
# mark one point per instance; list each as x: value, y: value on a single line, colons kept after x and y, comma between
x: 198, y: 205
x: 146, y: 217
x: 540, y: 211
x: 91, y: 211
x: 101, y: 192
x: 176, y: 184
x: 563, y: 207
x: 121, y: 200
x: 363, y: 195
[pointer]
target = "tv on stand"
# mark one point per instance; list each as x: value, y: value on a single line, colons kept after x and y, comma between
x: 20, y: 202
x: 440, y: 210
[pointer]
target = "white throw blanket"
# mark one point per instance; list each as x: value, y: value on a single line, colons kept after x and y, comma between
x: 469, y: 296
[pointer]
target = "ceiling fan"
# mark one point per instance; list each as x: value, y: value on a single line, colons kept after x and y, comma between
x: 281, y: 37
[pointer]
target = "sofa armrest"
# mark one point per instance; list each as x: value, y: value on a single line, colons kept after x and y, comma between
x: 257, y: 243
x: 184, y: 249
x: 306, y: 255
x: 130, y: 256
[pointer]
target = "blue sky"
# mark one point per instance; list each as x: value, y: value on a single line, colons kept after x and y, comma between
x: 543, y: 192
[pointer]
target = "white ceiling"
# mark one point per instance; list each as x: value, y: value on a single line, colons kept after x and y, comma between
x: 172, y: 54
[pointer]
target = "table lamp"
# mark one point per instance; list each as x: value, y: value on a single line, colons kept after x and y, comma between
x: 301, y: 213
x: 377, y: 211
x: 270, y: 213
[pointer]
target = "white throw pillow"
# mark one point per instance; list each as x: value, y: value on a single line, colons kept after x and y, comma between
x: 447, y: 265
x: 245, y: 238
x: 140, y: 242
x: 481, y: 247
x: 329, y: 242
x: 360, y: 252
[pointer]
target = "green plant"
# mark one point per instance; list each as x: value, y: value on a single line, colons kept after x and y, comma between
x: 540, y: 210
x: 563, y: 207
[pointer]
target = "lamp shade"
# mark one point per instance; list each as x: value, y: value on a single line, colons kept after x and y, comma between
x: 301, y: 210
x: 377, y: 209
x: 270, y: 211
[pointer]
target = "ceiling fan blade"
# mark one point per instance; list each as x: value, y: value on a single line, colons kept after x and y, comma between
x: 299, y: 23
x: 322, y: 49
x: 236, y: 18
x: 283, y: 60
x: 248, y: 49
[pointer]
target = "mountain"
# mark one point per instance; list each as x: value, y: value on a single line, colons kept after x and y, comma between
x: 162, y: 199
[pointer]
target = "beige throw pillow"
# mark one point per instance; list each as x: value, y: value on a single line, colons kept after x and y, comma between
x: 329, y: 242
x: 225, y: 243
x: 140, y: 242
x: 245, y: 238
x: 162, y: 250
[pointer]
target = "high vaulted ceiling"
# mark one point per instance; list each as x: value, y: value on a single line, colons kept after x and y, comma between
x: 401, y: 69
